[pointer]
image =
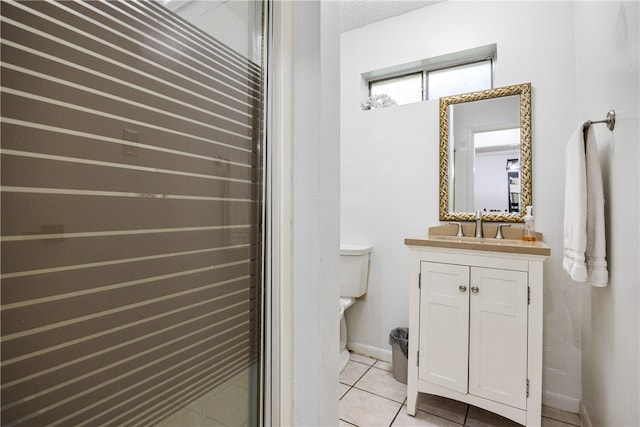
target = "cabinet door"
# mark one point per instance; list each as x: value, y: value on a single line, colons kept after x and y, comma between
x: 498, y: 335
x: 444, y: 325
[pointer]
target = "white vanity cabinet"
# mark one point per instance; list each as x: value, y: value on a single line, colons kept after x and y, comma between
x: 475, y: 329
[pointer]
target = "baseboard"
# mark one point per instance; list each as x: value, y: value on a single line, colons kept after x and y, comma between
x: 368, y: 350
x: 560, y: 401
x: 584, y: 416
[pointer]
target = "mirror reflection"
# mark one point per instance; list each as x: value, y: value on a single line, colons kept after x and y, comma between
x: 485, y: 135
x: 485, y: 154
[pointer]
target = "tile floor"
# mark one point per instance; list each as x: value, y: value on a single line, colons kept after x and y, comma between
x: 224, y: 406
x: 370, y: 396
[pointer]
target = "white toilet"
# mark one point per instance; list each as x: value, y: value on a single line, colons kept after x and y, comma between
x: 354, y: 277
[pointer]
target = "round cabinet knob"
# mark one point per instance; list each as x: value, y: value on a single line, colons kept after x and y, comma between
x: 462, y: 288
x: 475, y: 289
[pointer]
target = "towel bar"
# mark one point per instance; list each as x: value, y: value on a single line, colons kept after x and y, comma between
x: 610, y: 121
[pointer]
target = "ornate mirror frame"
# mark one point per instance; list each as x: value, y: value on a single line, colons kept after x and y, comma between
x: 524, y: 90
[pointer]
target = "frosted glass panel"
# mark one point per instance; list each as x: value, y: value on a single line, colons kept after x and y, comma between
x: 403, y: 90
x: 130, y: 257
x: 457, y: 80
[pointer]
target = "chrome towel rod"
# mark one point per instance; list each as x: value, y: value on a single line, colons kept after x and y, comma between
x: 610, y: 121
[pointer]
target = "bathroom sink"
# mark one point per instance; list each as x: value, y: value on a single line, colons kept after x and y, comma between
x: 444, y: 236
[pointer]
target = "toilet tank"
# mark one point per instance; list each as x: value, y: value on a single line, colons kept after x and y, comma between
x: 354, y: 270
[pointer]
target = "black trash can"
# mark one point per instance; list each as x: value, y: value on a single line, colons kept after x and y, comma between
x: 399, y: 340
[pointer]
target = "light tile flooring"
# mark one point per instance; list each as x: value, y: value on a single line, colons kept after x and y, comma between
x: 224, y: 406
x: 370, y: 396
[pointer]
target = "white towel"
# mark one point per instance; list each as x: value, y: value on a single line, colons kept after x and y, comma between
x: 596, y: 252
x: 584, y: 232
x: 575, y: 208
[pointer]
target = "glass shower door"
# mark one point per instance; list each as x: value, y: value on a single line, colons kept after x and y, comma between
x: 131, y: 213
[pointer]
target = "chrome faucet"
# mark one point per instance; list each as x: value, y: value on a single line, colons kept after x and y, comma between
x: 459, y: 233
x: 499, y: 232
x: 479, y: 223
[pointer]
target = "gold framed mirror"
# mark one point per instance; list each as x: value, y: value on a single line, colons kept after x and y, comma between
x: 485, y: 154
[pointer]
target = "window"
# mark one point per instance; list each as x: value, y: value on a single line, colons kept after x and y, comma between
x: 403, y: 89
x: 433, y: 83
x: 462, y: 79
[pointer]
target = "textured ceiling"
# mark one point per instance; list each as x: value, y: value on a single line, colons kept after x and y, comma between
x: 358, y: 13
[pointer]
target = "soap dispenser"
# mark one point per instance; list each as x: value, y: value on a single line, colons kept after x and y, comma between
x: 529, y: 232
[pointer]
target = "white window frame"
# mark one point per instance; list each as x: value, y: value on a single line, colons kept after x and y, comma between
x: 426, y: 66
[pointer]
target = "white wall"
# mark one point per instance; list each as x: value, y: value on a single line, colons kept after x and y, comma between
x: 607, y: 77
x: 389, y: 172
